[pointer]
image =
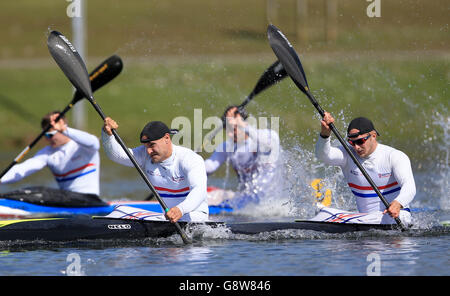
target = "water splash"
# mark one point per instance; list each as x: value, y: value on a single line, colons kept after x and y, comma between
x: 205, y: 234
x: 432, y: 174
x: 443, y: 122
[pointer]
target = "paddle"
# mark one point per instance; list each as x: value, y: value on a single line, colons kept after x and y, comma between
x: 70, y: 62
x: 272, y: 75
x: 104, y: 73
x: 291, y: 62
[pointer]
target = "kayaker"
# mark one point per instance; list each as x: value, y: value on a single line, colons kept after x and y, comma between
x: 177, y: 173
x: 253, y: 154
x: 389, y: 168
x: 71, y: 155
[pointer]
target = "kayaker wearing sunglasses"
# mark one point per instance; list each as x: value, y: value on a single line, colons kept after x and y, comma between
x: 71, y: 155
x: 389, y: 168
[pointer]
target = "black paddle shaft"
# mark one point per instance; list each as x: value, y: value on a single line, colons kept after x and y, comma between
x: 353, y: 157
x: 140, y: 171
x: 291, y: 62
x: 71, y: 63
x: 101, y: 75
x: 34, y: 142
x: 272, y: 75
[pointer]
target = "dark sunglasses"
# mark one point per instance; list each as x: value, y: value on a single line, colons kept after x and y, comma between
x: 359, y: 141
x: 50, y: 135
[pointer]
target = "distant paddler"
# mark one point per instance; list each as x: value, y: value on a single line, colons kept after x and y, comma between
x: 71, y: 155
x: 177, y: 173
x: 253, y: 153
x: 388, y: 167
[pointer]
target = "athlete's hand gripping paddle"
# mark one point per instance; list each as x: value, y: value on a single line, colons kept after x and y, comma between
x: 272, y: 75
x: 104, y: 73
x: 70, y: 62
x: 291, y: 63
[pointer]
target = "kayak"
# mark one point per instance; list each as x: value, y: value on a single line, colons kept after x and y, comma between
x: 21, y: 209
x: 41, y: 201
x: 48, y: 202
x: 127, y: 223
x: 106, y: 228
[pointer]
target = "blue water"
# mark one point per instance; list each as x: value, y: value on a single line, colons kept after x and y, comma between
x: 311, y: 255
x: 217, y: 253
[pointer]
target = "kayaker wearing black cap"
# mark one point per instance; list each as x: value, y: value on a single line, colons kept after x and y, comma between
x: 177, y: 173
x: 389, y: 168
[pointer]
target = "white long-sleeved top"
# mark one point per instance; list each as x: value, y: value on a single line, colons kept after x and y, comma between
x: 75, y: 165
x: 389, y: 168
x: 180, y: 179
x: 254, y: 160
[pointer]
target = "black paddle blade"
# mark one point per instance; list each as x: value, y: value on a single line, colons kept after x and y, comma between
x: 272, y: 75
x: 288, y: 57
x: 70, y: 62
x: 104, y: 73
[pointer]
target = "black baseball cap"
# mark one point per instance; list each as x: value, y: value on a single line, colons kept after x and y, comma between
x: 362, y: 124
x: 155, y: 130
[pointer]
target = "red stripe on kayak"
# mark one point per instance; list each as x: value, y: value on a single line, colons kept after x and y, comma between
x: 74, y: 171
x: 370, y: 187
